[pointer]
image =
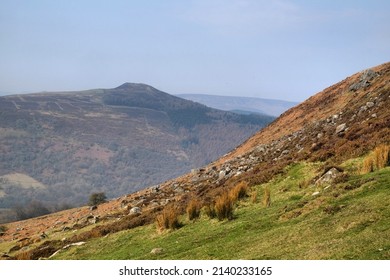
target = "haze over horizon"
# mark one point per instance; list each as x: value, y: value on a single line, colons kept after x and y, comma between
x: 287, y: 50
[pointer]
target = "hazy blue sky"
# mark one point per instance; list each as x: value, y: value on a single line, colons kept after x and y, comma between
x: 274, y: 49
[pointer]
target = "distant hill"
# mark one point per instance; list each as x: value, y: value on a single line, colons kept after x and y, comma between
x: 112, y: 140
x: 239, y: 104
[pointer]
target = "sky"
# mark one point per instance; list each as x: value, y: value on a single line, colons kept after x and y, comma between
x: 275, y: 49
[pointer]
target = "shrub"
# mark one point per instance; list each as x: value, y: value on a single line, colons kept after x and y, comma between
x: 193, y: 210
x: 267, y: 197
x: 224, y: 207
x: 168, y: 219
x: 239, y: 191
x: 97, y: 198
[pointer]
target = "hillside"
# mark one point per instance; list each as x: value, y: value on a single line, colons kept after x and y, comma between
x: 263, y: 106
x: 314, y: 184
x: 115, y: 141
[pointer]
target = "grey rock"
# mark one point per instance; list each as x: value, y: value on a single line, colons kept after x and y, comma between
x: 135, y: 210
x: 221, y: 174
x: 370, y: 104
x: 328, y: 177
x: 285, y: 152
x: 364, y: 80
x: 92, y: 219
x: 178, y: 190
x: 157, y: 251
x: 341, y: 128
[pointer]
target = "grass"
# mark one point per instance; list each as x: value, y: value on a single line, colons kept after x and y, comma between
x: 349, y: 220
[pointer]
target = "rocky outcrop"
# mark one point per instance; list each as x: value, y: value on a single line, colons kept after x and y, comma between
x: 365, y: 80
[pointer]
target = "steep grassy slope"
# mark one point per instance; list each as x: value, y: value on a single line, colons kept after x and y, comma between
x: 348, y: 220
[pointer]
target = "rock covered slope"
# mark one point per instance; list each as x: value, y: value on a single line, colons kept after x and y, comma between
x: 342, y: 122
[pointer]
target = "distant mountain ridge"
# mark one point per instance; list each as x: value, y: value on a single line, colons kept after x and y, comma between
x: 112, y: 140
x: 271, y: 107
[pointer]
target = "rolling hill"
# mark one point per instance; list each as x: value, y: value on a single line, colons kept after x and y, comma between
x: 115, y: 141
x: 270, y: 107
x: 314, y: 184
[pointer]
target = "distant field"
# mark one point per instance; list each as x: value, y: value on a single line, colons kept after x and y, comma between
x: 22, y: 180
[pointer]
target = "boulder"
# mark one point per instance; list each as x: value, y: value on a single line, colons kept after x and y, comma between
x: 135, y: 210
x: 328, y: 177
x: 341, y: 128
x: 364, y: 80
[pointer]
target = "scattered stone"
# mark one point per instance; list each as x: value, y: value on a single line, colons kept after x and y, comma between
x: 285, y: 152
x: 140, y: 202
x: 315, y: 193
x: 74, y: 244
x: 179, y: 190
x: 341, y: 128
x: 92, y: 208
x: 222, y: 174
x: 135, y: 210
x: 157, y: 251
x: 374, y: 116
x: 328, y: 176
x: 92, y: 219
x: 370, y: 104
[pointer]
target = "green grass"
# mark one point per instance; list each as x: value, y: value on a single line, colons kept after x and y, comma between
x: 349, y: 220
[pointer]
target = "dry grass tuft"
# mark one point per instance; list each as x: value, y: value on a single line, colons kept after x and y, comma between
x: 368, y: 165
x: 193, y: 209
x: 381, y: 156
x: 239, y: 191
x: 168, y: 219
x: 224, y: 207
x: 254, y: 196
x: 378, y: 159
x: 267, y: 197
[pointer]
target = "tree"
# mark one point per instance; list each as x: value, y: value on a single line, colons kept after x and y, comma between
x: 97, y: 198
